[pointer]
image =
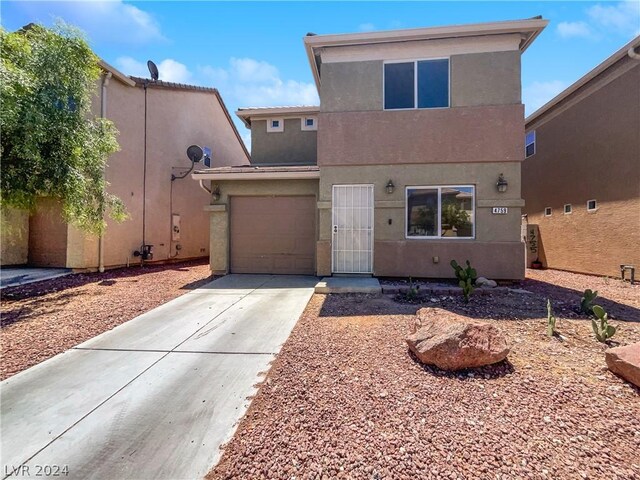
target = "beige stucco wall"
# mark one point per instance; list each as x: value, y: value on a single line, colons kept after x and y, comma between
x: 351, y: 86
x: 497, y: 250
x: 14, y: 236
x: 219, y: 211
x: 589, y: 150
x: 488, y: 78
x: 176, y: 119
x: 47, y: 235
x: 294, y: 146
x: 451, y: 135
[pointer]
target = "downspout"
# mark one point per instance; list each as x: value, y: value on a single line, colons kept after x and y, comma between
x: 204, y: 188
x: 103, y: 114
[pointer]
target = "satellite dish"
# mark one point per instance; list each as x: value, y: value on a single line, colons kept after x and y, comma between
x: 153, y: 70
x: 195, y: 153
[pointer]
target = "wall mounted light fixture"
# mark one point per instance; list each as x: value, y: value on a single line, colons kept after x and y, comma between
x: 390, y: 187
x: 502, y: 184
x: 215, y: 193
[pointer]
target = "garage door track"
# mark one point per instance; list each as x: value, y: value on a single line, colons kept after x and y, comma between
x: 157, y: 396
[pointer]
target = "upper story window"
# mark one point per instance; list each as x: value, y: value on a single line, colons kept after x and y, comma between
x: 309, y: 123
x: 416, y: 84
x: 530, y: 144
x: 275, y: 125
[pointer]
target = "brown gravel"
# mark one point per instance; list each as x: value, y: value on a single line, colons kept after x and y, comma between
x: 345, y: 399
x: 40, y: 320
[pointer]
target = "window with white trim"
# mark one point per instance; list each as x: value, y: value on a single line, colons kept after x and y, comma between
x: 547, y: 212
x: 309, y: 123
x: 567, y: 208
x: 440, y: 212
x: 530, y: 144
x: 592, y: 206
x: 416, y: 84
x: 275, y: 125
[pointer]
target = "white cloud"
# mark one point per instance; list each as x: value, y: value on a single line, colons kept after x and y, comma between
x: 574, y: 29
x: 366, y: 27
x: 244, y: 82
x: 106, y: 20
x: 536, y: 94
x: 250, y: 82
x: 623, y: 17
x: 169, y: 69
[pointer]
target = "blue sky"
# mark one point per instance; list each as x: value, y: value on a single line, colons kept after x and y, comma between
x: 253, y: 52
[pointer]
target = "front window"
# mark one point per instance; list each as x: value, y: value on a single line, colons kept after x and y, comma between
x: 441, y: 212
x: 530, y: 144
x: 417, y: 84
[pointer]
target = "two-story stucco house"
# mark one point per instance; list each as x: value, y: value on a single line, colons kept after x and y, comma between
x: 581, y: 176
x: 411, y: 160
x: 157, y: 121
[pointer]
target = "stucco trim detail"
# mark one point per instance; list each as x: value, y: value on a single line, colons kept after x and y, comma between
x: 216, y: 208
x: 515, y: 203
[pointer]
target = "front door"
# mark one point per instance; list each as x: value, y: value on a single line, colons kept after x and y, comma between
x: 352, y: 245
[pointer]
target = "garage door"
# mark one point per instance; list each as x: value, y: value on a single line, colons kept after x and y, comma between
x: 273, y: 234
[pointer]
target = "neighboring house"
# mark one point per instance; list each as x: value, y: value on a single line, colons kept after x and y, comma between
x: 396, y: 173
x: 164, y: 213
x: 581, y: 177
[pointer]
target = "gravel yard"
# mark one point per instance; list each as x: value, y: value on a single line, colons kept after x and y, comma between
x: 345, y: 399
x: 40, y: 320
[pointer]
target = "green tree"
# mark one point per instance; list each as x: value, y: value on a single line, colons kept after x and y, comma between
x: 52, y: 144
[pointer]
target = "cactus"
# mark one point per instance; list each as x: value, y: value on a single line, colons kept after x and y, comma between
x: 466, y: 278
x: 412, y: 293
x: 551, y: 320
x: 601, y: 326
x: 586, y: 303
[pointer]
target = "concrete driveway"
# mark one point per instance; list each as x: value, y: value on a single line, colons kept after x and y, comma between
x: 157, y: 396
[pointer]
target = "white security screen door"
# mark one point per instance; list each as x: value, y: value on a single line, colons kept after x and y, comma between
x: 352, y: 245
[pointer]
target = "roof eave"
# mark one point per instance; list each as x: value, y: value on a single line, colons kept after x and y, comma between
x: 530, y: 29
x: 246, y: 114
x: 204, y: 175
x: 116, y: 73
x: 585, y: 79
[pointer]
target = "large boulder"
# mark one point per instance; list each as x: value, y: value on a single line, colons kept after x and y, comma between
x: 454, y: 342
x: 625, y: 361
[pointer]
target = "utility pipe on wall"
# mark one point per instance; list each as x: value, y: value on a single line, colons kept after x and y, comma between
x: 103, y: 113
x: 204, y: 188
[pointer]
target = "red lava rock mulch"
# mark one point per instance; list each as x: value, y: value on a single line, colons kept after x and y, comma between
x: 42, y: 319
x: 345, y: 398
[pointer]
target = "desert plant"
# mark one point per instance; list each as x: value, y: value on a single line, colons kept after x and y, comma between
x: 601, y: 326
x: 551, y: 320
x: 412, y: 293
x: 586, y: 302
x: 466, y: 278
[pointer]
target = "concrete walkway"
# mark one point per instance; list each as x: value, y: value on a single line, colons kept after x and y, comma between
x: 155, y: 397
x: 11, y: 277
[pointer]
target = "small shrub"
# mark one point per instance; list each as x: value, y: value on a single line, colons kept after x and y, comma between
x: 601, y: 326
x: 551, y: 320
x: 586, y: 303
x: 466, y: 278
x: 412, y: 293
